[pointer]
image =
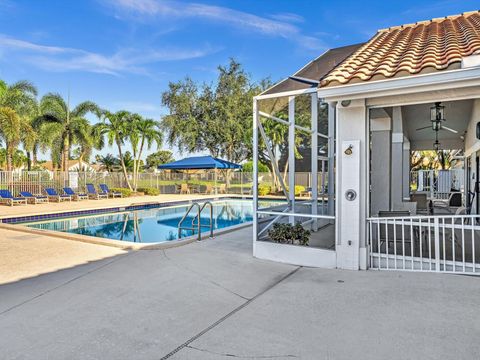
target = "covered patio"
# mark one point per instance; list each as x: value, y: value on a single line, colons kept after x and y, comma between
x: 385, y: 101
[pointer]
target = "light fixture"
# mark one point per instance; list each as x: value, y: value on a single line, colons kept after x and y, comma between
x: 437, y: 115
x: 436, y: 144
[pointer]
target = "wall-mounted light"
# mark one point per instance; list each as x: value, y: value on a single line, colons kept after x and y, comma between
x: 346, y: 103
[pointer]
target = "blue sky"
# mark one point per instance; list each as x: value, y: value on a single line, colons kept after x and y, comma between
x: 122, y: 53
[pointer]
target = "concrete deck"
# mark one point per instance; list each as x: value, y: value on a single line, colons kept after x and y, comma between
x: 212, y: 300
x: 24, y: 210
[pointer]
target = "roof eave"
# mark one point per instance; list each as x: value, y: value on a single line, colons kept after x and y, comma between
x: 398, y: 86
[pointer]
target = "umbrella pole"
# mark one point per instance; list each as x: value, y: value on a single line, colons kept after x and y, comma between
x: 215, y: 176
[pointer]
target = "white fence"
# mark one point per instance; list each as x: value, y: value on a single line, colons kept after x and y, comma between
x: 438, y: 183
x: 167, y: 183
x: 425, y: 243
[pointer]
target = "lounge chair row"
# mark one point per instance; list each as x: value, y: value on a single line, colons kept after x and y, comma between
x: 69, y: 194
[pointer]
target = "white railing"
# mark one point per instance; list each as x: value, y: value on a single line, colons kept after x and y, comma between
x: 425, y: 243
x: 437, y: 183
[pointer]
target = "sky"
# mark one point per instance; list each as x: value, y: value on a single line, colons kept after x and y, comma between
x: 122, y: 54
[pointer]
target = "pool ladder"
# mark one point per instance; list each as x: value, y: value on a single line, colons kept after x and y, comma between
x: 198, y: 225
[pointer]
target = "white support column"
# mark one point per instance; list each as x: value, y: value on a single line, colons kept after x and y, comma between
x: 331, y: 159
x: 352, y: 145
x: 255, y: 173
x: 314, y: 161
x: 291, y: 154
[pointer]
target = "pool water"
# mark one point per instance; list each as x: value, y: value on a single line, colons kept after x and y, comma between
x: 153, y: 225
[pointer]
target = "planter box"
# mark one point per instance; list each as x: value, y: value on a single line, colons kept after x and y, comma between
x: 295, y: 255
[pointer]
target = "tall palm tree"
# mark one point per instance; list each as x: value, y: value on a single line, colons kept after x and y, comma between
x: 71, y: 123
x: 147, y: 132
x: 16, y: 102
x: 116, y: 127
x: 107, y: 162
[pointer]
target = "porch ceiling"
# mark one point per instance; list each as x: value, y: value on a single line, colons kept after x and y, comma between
x: 457, y: 115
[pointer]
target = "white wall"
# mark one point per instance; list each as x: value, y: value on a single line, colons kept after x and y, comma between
x: 351, y: 219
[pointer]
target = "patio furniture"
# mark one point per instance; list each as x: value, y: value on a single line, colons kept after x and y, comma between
x: 422, y: 202
x: 94, y: 194
x: 387, y: 231
x: 453, y: 202
x: 184, y: 189
x: 222, y: 189
x: 33, y: 199
x: 208, y: 189
x: 113, y: 194
x: 7, y: 198
x: 75, y: 196
x: 53, y: 195
x: 306, y: 192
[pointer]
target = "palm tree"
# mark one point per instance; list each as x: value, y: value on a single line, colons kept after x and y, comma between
x: 86, y: 144
x: 108, y: 162
x: 16, y: 103
x: 116, y: 127
x: 71, y: 124
x: 146, y: 132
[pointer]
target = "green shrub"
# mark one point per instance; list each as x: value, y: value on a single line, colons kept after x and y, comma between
x: 248, y: 167
x: 289, y: 234
x: 298, y: 189
x: 125, y: 191
x: 149, y: 191
x: 264, y: 189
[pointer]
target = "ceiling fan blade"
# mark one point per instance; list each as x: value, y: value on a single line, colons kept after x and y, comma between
x: 423, y: 128
x: 449, y: 129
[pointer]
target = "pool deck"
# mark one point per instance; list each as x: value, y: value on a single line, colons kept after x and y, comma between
x: 213, y: 300
x: 24, y: 210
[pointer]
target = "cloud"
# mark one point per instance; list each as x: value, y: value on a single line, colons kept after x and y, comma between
x: 54, y: 58
x: 280, y: 25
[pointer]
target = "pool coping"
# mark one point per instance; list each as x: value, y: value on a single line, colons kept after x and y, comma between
x: 124, y: 245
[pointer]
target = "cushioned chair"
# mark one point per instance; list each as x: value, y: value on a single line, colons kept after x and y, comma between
x: 94, y: 194
x: 7, y: 198
x: 75, y: 196
x: 33, y: 199
x: 106, y: 190
x: 53, y: 195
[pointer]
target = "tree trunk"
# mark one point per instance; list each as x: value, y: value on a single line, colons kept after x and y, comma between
x: 138, y: 162
x: 124, y: 169
x: 65, y: 156
x: 9, y: 157
x: 29, y: 161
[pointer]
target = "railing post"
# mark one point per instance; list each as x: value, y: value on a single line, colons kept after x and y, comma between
x: 436, y: 228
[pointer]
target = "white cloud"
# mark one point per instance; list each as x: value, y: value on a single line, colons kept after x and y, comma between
x: 279, y: 25
x: 54, y: 58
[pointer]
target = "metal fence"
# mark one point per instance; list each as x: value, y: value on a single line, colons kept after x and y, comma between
x: 166, y: 182
x: 437, y: 183
x: 449, y: 243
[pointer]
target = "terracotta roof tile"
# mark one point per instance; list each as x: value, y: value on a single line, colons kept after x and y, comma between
x: 426, y: 46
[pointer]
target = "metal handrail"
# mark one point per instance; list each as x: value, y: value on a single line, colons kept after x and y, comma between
x: 199, y: 225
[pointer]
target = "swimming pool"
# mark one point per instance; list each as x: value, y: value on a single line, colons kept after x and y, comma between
x: 152, y: 225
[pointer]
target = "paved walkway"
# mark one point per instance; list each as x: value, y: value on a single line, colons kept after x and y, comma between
x: 212, y: 300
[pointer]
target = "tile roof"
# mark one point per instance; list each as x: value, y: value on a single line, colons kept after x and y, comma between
x: 426, y: 46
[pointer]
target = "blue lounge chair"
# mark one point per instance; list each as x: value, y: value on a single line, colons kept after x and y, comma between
x: 33, y: 199
x: 113, y: 194
x: 93, y: 194
x: 7, y: 198
x: 75, y: 196
x: 53, y: 195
